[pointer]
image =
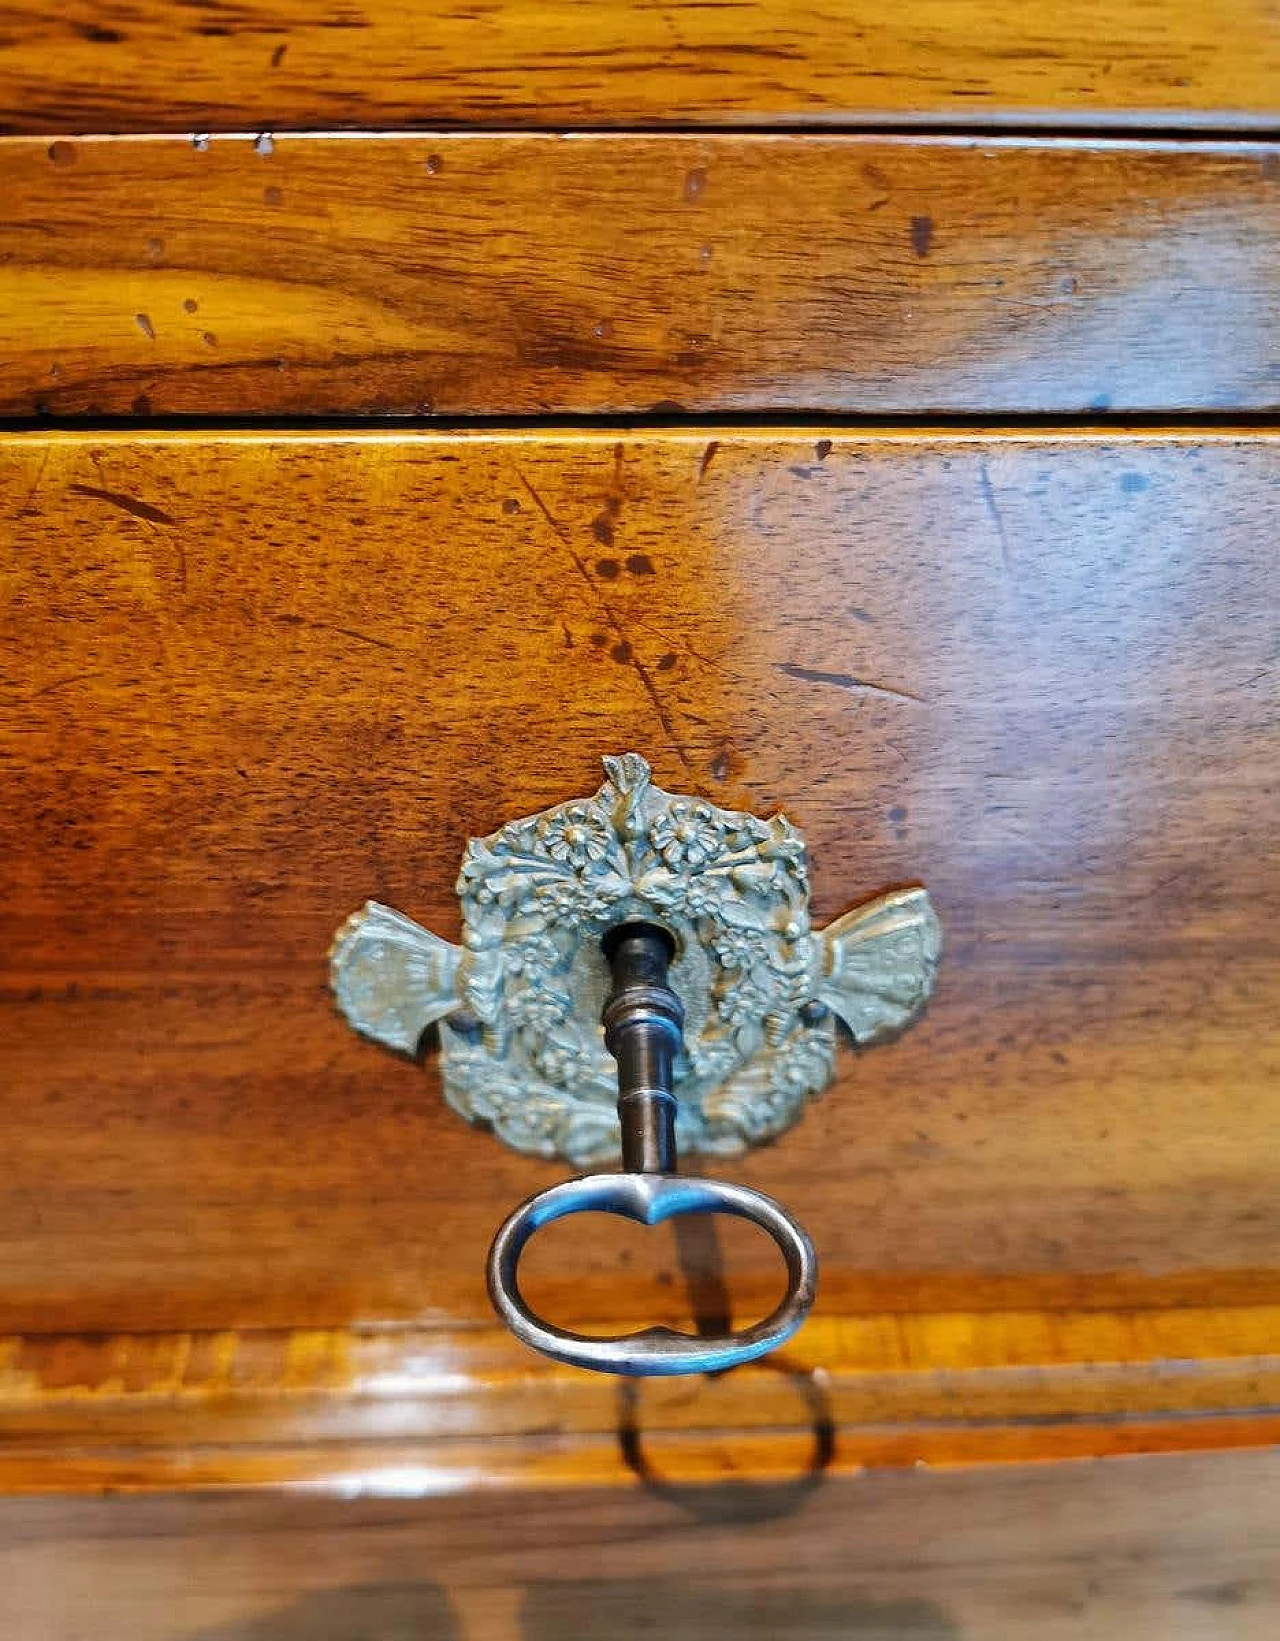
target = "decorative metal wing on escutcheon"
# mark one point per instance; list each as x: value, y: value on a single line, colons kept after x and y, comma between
x: 518, y: 1002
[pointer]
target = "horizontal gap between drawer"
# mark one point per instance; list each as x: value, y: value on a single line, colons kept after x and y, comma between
x: 817, y: 417
x: 1173, y: 132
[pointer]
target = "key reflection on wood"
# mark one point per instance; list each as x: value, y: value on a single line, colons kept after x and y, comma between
x: 702, y: 1267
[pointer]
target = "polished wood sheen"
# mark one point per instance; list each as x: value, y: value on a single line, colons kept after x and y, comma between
x: 525, y: 275
x: 368, y: 1407
x: 270, y: 64
x: 252, y: 679
x: 1144, y: 1549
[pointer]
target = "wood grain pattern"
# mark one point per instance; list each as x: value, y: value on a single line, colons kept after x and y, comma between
x: 251, y: 680
x: 525, y: 275
x: 1182, y: 1546
x: 272, y: 64
x: 472, y: 1408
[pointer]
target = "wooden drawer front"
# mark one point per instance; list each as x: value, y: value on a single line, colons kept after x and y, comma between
x: 253, y: 679
x: 149, y: 65
x: 525, y: 275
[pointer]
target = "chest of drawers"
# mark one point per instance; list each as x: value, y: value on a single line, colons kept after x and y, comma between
x: 870, y: 418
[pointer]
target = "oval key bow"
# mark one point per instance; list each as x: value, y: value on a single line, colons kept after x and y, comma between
x: 643, y: 1021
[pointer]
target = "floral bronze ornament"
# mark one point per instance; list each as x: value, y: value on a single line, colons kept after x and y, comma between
x: 519, y: 1001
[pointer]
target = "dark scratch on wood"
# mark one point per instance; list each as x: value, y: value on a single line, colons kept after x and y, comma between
x: 551, y: 519
x: 708, y: 456
x: 843, y: 680
x: 684, y: 644
x: 359, y: 637
x: 126, y: 504
x: 993, y: 512
x: 62, y: 683
x: 611, y: 616
x: 27, y: 507
x: 138, y: 509
x: 642, y: 673
x: 288, y: 620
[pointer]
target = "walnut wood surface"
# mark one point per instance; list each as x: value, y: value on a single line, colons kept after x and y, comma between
x: 526, y: 274
x: 269, y: 64
x: 252, y: 679
x: 1147, y: 1549
x: 472, y: 1408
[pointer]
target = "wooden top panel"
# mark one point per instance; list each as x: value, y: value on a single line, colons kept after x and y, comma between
x: 250, y: 681
x: 524, y: 275
x: 128, y: 65
x: 1150, y: 1548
